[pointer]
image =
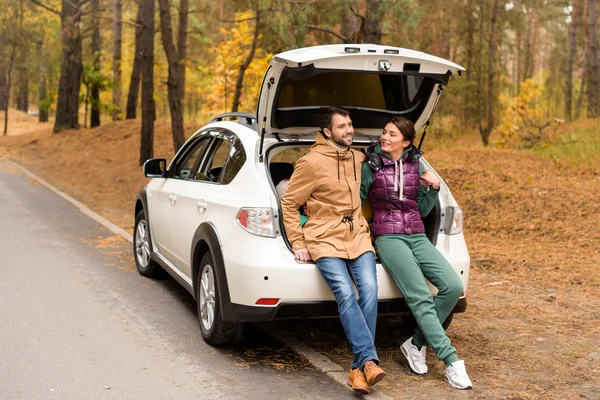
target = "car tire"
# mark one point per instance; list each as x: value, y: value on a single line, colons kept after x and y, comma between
x: 214, y: 330
x: 142, y: 248
x: 410, y: 324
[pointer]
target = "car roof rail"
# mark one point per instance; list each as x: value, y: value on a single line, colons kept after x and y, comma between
x: 245, y: 118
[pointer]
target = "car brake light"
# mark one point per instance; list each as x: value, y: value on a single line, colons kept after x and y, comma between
x: 257, y: 221
x: 453, y: 223
x: 267, y: 302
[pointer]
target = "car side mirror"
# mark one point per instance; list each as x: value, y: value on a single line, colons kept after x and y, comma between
x: 155, y: 167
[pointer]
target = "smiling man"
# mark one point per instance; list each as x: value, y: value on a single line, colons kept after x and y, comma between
x: 337, y: 236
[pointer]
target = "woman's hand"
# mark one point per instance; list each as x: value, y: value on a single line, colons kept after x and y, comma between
x: 428, y: 179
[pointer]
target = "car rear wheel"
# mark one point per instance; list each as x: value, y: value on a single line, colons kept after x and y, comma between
x: 214, y: 330
x: 146, y: 266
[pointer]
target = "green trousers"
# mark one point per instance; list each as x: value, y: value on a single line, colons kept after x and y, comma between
x: 410, y: 259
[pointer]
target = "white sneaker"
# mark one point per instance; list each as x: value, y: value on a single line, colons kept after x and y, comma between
x: 456, y: 375
x: 415, y: 357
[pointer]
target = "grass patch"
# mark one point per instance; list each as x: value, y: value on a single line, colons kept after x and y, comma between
x: 576, y: 145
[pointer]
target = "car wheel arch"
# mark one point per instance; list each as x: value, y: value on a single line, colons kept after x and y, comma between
x: 206, y: 240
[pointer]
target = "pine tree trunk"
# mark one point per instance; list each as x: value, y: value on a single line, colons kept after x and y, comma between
x: 582, y: 87
x: 3, y: 91
x: 372, y: 22
x: 350, y: 23
x: 173, y: 91
x: 42, y: 87
x: 22, y: 101
x: 146, y: 52
x: 8, y: 79
x: 134, y: 83
x: 491, y: 74
x: 593, y: 88
x: 245, y: 64
x: 571, y: 60
x: 67, y: 105
x: 467, y: 109
x: 117, y: 48
x: 95, y: 90
x: 182, y: 49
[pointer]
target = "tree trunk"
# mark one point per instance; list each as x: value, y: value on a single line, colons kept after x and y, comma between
x: 351, y: 24
x: 182, y: 49
x: 8, y: 73
x: 22, y: 101
x: 582, y: 87
x: 480, y: 71
x: 95, y: 90
x: 593, y: 88
x: 116, y: 69
x: 467, y: 110
x: 245, y: 64
x: 134, y: 83
x: 146, y: 52
x: 373, y: 22
x: 173, y: 91
x: 571, y: 60
x: 42, y: 87
x: 491, y: 74
x: 3, y: 92
x: 69, y: 83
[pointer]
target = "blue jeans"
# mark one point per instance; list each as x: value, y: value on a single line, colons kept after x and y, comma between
x: 358, y: 317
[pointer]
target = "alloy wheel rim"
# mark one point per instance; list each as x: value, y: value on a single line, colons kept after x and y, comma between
x: 207, y: 297
x: 142, y: 245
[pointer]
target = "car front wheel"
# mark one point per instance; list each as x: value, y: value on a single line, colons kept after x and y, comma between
x: 141, y: 248
x: 214, y: 330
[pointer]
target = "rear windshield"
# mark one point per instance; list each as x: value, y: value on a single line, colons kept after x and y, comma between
x: 351, y: 89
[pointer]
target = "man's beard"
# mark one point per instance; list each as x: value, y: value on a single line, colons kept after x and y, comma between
x: 340, y: 141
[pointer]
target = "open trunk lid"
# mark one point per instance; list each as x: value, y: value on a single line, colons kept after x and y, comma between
x: 374, y: 82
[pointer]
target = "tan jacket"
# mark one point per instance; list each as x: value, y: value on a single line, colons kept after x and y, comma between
x: 327, y: 180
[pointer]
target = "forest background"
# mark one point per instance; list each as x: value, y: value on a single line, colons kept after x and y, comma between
x: 530, y: 64
x: 516, y: 137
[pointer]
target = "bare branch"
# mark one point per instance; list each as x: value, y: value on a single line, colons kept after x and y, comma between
x: 323, y: 29
x: 117, y: 20
x: 45, y: 7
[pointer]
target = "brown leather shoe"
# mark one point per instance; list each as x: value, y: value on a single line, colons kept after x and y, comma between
x: 357, y: 380
x: 373, y: 373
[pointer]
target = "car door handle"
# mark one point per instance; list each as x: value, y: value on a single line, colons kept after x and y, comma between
x: 202, y: 206
x: 172, y: 198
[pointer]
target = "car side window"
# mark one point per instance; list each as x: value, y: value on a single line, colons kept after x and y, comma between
x: 216, y: 161
x: 187, y: 168
x: 237, y: 158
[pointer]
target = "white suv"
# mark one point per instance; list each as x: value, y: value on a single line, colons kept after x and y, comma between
x: 212, y: 219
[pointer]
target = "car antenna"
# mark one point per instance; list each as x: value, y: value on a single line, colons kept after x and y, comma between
x: 423, y: 135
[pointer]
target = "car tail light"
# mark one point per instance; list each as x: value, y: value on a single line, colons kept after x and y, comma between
x: 267, y: 302
x: 257, y: 221
x: 454, y: 221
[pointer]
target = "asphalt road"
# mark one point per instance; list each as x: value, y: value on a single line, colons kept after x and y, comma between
x: 78, y: 322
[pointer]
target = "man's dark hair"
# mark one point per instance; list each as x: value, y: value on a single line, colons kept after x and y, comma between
x: 328, y: 114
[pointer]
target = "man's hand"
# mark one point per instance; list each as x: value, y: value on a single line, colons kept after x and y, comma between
x: 428, y: 179
x: 302, y: 254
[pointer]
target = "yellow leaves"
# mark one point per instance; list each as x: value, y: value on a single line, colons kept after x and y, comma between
x: 521, y: 114
x: 218, y: 85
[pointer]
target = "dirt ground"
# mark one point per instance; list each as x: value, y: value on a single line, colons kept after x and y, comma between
x: 532, y: 328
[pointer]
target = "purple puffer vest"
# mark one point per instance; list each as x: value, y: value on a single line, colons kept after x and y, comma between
x: 395, y: 206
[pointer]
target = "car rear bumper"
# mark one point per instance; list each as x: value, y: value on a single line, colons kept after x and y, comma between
x: 318, y: 309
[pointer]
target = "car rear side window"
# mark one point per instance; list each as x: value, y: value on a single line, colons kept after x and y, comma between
x: 237, y: 158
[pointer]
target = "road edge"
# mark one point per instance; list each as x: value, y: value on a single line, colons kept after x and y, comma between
x: 318, y: 360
